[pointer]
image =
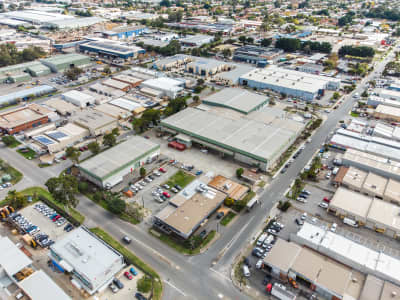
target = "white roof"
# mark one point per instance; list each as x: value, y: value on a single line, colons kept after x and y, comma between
x: 163, y: 83
x: 12, y: 259
x: 125, y: 104
x: 39, y: 286
x: 355, y: 203
x: 79, y: 96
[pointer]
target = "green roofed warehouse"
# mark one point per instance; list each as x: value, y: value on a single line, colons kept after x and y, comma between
x: 60, y: 63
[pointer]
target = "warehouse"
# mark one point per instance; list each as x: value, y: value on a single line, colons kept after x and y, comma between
x: 78, y: 98
x: 231, y: 188
x: 207, y: 67
x: 289, y: 82
x: 23, y: 118
x: 388, y: 94
x: 96, y: 122
x: 62, y: 62
x: 330, y: 279
x: 113, y: 111
x: 13, y: 261
x: 348, y: 252
x: 75, y: 23
x: 116, y: 84
x: 91, y: 262
x: 196, y: 40
x: 237, y: 99
x: 255, y: 55
x: 111, y: 49
x: 126, y: 104
x: 109, y: 167
x: 124, y: 33
x: 176, y: 61
x: 23, y: 72
x: 106, y: 90
x: 62, y: 107
x: 252, y: 142
x: 374, y: 101
x: 232, y: 76
x: 36, y: 17
x: 132, y: 81
x: 372, y: 163
x: 188, y: 209
x: 165, y: 87
x: 386, y: 112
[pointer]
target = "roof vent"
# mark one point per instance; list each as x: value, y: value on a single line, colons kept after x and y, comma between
x: 393, y: 294
x: 353, y: 279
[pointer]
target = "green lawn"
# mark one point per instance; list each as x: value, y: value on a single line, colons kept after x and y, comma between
x: 133, y: 259
x: 27, y: 153
x: 16, y: 175
x: 354, y: 114
x: 180, y: 247
x: 15, y: 144
x: 180, y: 178
x: 227, y: 218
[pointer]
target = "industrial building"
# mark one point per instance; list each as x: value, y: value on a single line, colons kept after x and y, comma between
x: 127, y: 79
x: 231, y: 188
x: 188, y: 209
x: 378, y: 215
x: 207, y: 66
x: 325, y: 276
x: 390, y: 94
x: 24, y: 94
x: 23, y: 72
x: 62, y: 62
x: 237, y: 99
x: 351, y: 253
x: 116, y: 84
x: 24, y: 118
x: 124, y: 33
x: 196, y: 40
x: 374, y: 101
x: 370, y: 144
x: 91, y: 262
x: 176, y: 61
x: 257, y: 140
x: 111, y: 49
x: 36, y: 17
x: 106, y: 90
x: 289, y: 82
x: 113, y: 111
x: 255, y: 55
x: 109, y: 167
x: 96, y: 122
x: 62, y: 107
x: 74, y: 23
x: 18, y: 274
x: 386, y: 112
x: 78, y: 98
x: 162, y: 87
x: 372, y: 163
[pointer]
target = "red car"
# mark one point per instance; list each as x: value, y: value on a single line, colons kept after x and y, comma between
x: 162, y: 170
x: 166, y: 194
x: 327, y: 200
x: 128, y: 275
x: 56, y: 218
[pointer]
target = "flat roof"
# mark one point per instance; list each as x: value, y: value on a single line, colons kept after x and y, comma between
x: 193, y: 208
x: 385, y: 213
x: 231, y: 188
x: 388, y: 110
x: 372, y: 288
x: 87, y: 254
x: 113, y: 47
x: 127, y: 78
x: 77, y: 95
x: 257, y: 140
x: 375, y: 184
x: 92, y: 119
x: 61, y: 106
x: 125, y: 104
x: 39, y: 286
x: 112, y: 110
x: 106, y: 163
x: 390, y: 291
x: 116, y: 84
x: 12, y: 259
x: 282, y: 255
x: 354, y: 178
x: 63, y: 58
x: 352, y: 202
x: 22, y: 115
x: 237, y: 99
x: 392, y: 191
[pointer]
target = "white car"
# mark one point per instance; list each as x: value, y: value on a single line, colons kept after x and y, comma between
x: 302, y: 200
x: 259, y: 264
x: 333, y: 227
x: 303, y: 216
x: 323, y: 205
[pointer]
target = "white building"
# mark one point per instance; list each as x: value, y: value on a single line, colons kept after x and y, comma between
x: 91, y: 262
x: 78, y: 98
x: 166, y: 86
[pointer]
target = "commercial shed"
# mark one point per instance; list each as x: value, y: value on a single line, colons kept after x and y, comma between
x: 62, y: 107
x: 119, y: 85
x: 111, y: 49
x: 96, y: 122
x: 60, y: 63
x: 25, y: 93
x: 252, y: 142
x: 78, y: 98
x: 354, y: 179
x: 386, y: 112
x: 109, y: 167
x: 125, y: 32
x: 164, y: 86
x: 237, y: 99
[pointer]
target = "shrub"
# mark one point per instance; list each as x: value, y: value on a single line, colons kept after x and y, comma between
x: 144, y: 284
x: 229, y: 201
x: 239, y: 172
x: 83, y: 187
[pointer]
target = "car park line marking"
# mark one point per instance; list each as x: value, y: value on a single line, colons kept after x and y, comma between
x: 173, y: 286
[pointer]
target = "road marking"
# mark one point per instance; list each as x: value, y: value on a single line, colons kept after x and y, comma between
x: 220, y: 274
x: 173, y: 286
x: 220, y: 296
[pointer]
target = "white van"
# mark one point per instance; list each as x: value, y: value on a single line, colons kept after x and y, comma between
x: 246, y: 271
x: 261, y: 239
x: 350, y: 222
x: 335, y: 171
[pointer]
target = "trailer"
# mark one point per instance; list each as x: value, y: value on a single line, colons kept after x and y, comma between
x: 279, y: 291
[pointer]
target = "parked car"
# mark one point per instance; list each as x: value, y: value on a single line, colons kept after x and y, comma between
x: 133, y: 271
x: 126, y: 240
x: 178, y: 187
x: 259, y: 264
x: 118, y: 283
x: 166, y: 195
x: 203, y: 234
x: 113, y: 288
x: 220, y: 215
x: 299, y: 222
x: 162, y: 170
x: 333, y: 227
x: 128, y: 275
x: 139, y: 296
x: 303, y: 216
x: 323, y: 205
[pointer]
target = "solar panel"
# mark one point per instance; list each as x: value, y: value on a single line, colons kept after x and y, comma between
x: 43, y: 140
x: 57, y: 135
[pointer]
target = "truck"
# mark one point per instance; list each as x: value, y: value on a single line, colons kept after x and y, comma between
x: 261, y: 239
x: 350, y: 222
x: 280, y: 292
x: 177, y: 146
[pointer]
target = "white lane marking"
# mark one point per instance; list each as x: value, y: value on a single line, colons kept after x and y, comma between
x: 220, y: 274
x: 173, y: 286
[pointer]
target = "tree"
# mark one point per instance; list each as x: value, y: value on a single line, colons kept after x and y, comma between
x: 83, y: 187
x: 242, y: 39
x: 109, y: 140
x: 165, y: 3
x: 9, y: 140
x: 134, y: 211
x: 144, y: 284
x: 73, y: 73
x: 98, y: 196
x: 16, y: 199
x: 63, y: 189
x: 227, y: 53
x: 239, y: 172
x: 250, y: 40
x: 266, y: 42
x: 336, y: 95
x: 115, y: 204
x: 142, y: 172
x: 196, y: 99
x: 115, y: 131
x: 358, y: 51
x: 288, y: 44
x: 73, y: 154
x: 94, y: 147
x: 107, y: 70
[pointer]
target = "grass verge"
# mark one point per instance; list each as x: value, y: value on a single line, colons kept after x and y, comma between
x: 180, y: 247
x: 228, y: 218
x: 157, y: 285
x: 16, y: 175
x: 180, y: 178
x: 27, y: 153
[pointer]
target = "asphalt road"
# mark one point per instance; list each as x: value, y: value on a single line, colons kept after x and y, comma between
x: 205, y: 276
